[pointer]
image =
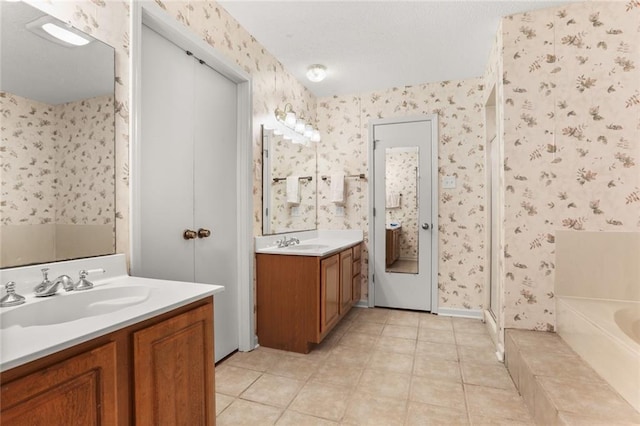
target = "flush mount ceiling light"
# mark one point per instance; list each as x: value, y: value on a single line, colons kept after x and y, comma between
x: 316, y: 73
x: 53, y: 30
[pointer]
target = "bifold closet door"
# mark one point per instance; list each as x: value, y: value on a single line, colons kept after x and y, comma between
x: 166, y: 159
x: 189, y: 177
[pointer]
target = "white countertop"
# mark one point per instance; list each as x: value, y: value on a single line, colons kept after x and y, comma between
x: 20, y: 345
x: 312, y: 243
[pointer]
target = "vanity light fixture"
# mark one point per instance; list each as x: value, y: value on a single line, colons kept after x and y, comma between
x: 53, y: 30
x: 316, y: 72
x: 288, y: 119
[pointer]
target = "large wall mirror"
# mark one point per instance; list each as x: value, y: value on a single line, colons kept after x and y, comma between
x: 57, y: 136
x: 289, y: 184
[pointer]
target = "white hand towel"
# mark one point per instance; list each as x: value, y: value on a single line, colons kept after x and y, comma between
x: 393, y: 200
x: 293, y: 190
x: 337, y: 188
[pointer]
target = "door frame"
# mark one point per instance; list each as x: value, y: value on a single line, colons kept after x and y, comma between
x: 152, y: 15
x: 433, y: 118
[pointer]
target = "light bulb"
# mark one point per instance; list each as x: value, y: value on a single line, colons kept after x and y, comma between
x: 316, y: 136
x: 300, y: 126
x: 308, y: 131
x: 316, y: 73
x: 290, y: 120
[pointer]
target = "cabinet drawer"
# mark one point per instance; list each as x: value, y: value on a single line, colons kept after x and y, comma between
x: 356, y: 252
x: 357, y: 264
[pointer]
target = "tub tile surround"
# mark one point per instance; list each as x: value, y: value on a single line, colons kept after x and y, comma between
x: 559, y: 387
x: 355, y: 377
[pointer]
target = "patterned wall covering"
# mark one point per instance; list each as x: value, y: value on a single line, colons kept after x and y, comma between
x: 344, y: 148
x: 55, y: 167
x: 571, y: 140
x: 289, y: 159
x: 401, y: 178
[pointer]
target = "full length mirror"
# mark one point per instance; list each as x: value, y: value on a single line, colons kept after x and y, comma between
x: 401, y: 192
x: 288, y: 184
x: 56, y: 140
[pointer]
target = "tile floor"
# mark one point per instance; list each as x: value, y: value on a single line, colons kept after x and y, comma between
x: 378, y: 367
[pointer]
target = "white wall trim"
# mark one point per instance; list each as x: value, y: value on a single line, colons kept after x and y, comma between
x: 461, y: 313
x: 157, y: 19
x: 433, y: 118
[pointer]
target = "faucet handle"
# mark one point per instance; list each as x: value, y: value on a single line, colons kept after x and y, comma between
x: 45, y: 273
x: 11, y: 298
x: 83, y: 282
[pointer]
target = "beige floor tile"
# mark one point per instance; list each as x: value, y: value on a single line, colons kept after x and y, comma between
x: 436, y: 322
x: 401, y: 331
x: 273, y: 390
x: 477, y: 420
x: 474, y: 339
x: 589, y: 399
x: 495, y: 403
x: 437, y: 350
x: 369, y: 410
x: 539, y: 341
x: 385, y: 383
x: 411, y: 319
x: 391, y: 361
x: 347, y: 355
x: 358, y: 340
x: 420, y: 414
x: 374, y: 328
x: 321, y: 400
x: 478, y: 355
x: 233, y: 380
x: 339, y: 374
x: 374, y: 315
x: 468, y: 325
x: 222, y: 402
x: 258, y: 359
x: 436, y: 336
x: 559, y: 365
x: 241, y: 413
x: 437, y: 392
x: 438, y: 369
x: 495, y: 376
x: 396, y: 344
x: 291, y: 418
x: 294, y: 367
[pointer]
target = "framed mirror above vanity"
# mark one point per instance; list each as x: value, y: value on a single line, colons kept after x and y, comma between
x: 57, y: 140
x: 289, y: 184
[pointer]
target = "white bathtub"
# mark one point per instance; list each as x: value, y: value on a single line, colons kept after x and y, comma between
x: 606, y: 333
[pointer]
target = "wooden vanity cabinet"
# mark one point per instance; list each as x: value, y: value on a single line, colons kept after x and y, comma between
x: 159, y: 371
x: 301, y: 298
x: 356, y: 280
x: 392, y: 245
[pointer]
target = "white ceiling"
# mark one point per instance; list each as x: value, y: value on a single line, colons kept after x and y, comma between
x: 39, y: 69
x: 370, y: 45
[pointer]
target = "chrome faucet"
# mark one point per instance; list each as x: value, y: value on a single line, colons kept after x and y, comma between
x: 49, y: 288
x: 286, y: 243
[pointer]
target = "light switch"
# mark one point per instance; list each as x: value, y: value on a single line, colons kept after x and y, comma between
x: 339, y: 211
x: 449, y: 182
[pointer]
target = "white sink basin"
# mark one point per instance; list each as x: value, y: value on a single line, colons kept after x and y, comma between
x: 73, y: 306
x: 311, y: 247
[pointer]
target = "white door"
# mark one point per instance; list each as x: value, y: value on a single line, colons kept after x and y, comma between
x: 188, y: 179
x: 402, y: 221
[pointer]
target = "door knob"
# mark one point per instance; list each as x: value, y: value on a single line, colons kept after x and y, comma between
x: 189, y: 234
x: 425, y: 226
x: 203, y: 233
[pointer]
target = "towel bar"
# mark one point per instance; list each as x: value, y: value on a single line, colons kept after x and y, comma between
x: 307, y: 178
x: 360, y: 176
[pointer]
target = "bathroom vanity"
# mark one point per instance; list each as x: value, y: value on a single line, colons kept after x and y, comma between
x: 304, y: 290
x: 129, y: 351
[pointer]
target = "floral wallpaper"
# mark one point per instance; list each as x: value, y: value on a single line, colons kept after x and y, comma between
x: 56, y: 168
x: 292, y: 159
x: 344, y: 148
x: 401, y: 178
x: 571, y: 108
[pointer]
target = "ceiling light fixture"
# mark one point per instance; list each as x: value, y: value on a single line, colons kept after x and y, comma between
x: 56, y: 31
x: 294, y: 127
x: 316, y: 73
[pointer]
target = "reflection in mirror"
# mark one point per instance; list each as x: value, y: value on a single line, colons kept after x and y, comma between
x: 56, y: 142
x: 401, y: 194
x: 288, y: 184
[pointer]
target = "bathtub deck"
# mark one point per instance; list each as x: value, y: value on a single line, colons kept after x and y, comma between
x: 558, y: 386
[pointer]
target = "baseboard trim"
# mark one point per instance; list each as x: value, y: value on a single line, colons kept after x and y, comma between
x: 362, y: 304
x: 461, y: 313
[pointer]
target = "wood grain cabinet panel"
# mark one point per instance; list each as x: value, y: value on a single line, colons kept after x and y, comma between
x: 346, y: 280
x: 77, y: 391
x: 173, y: 370
x: 330, y: 292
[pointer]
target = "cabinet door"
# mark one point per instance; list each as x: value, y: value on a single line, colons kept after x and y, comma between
x: 346, y: 279
x: 78, y: 391
x: 356, y: 289
x: 174, y: 371
x: 329, y: 292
